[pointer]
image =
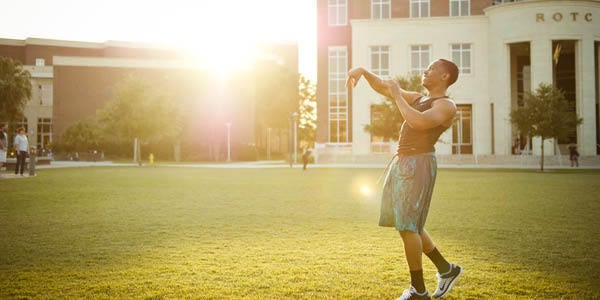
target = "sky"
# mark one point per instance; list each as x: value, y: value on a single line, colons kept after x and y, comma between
x: 207, y: 27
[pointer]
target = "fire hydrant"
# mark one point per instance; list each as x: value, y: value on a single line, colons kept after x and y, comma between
x: 151, y: 159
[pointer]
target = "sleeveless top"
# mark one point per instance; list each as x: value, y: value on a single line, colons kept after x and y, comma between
x: 413, y: 141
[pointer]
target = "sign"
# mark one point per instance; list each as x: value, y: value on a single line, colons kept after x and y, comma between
x: 560, y: 17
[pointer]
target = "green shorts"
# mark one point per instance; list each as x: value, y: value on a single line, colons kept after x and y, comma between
x: 405, y: 191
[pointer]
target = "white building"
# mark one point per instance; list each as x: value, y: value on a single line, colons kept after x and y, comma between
x: 502, y: 50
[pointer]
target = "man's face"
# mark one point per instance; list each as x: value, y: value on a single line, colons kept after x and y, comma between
x: 434, y: 75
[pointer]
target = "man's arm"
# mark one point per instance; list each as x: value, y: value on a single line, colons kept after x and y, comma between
x: 442, y: 110
x: 378, y: 84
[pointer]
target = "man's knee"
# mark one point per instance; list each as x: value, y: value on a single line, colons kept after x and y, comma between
x: 407, y: 234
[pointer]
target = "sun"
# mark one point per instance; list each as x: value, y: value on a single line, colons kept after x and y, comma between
x: 227, y: 40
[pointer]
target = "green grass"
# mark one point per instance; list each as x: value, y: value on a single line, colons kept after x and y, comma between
x: 280, y: 233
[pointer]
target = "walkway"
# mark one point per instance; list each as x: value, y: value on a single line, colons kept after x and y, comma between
x: 282, y: 164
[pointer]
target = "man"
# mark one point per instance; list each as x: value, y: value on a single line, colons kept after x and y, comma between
x: 410, y: 178
x: 305, y: 158
x: 3, y: 146
x: 22, y: 146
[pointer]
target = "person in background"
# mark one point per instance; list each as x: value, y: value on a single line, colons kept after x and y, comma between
x: 22, y: 146
x: 574, y: 155
x: 32, y: 161
x: 3, y: 146
x: 305, y: 158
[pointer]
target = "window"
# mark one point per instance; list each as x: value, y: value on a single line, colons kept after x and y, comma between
x: 44, y: 132
x: 46, y: 94
x: 461, y: 56
x: 338, y: 95
x: 381, y: 9
x: 419, y: 58
x: 380, y: 60
x: 462, y: 142
x: 459, y: 8
x: 419, y: 8
x: 378, y: 143
x: 338, y: 12
x: 39, y: 62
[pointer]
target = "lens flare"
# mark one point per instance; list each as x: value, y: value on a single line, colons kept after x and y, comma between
x: 365, y: 191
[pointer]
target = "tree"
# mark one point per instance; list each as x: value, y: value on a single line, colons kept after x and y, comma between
x: 276, y: 94
x: 387, y: 125
x: 15, y: 89
x: 545, y: 113
x: 82, y: 136
x: 140, y: 112
x: 308, y: 111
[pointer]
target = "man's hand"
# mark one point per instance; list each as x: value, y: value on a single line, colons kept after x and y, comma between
x: 353, y: 76
x: 393, y: 88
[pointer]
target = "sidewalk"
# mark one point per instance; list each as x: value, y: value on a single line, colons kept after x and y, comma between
x: 284, y: 165
x: 271, y: 164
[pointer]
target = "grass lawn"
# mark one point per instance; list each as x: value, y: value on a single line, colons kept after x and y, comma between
x: 168, y: 232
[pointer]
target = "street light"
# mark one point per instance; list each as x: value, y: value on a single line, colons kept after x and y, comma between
x: 295, y: 115
x: 228, y: 141
x: 294, y: 135
x: 269, y: 143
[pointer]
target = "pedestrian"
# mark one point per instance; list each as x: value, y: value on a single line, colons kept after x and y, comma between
x: 305, y: 158
x: 3, y: 146
x: 32, y: 161
x: 21, y: 146
x: 410, y: 177
x: 574, y: 155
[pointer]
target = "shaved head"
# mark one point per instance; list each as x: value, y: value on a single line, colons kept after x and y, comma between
x: 452, y: 70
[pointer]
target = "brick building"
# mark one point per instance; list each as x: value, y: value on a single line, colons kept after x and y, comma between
x: 72, y: 80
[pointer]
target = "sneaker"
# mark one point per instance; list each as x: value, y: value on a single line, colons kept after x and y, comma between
x: 412, y: 294
x: 447, y: 280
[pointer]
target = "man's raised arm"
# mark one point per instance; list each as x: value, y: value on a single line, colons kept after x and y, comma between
x: 377, y: 84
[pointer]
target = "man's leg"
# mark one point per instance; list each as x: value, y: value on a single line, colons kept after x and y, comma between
x: 413, y: 248
x: 432, y: 252
x: 448, y: 273
x: 23, y: 158
x: 17, y: 162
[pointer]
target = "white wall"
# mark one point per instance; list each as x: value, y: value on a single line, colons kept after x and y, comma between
x: 490, y: 79
x: 439, y: 33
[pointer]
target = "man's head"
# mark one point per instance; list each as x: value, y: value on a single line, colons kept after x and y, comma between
x: 440, y: 72
x: 2, y: 126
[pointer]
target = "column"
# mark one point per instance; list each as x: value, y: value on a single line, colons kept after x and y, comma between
x: 541, y: 72
x: 361, y: 116
x: 586, y: 96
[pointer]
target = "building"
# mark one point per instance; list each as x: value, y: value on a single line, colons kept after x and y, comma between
x: 72, y: 80
x: 503, y: 49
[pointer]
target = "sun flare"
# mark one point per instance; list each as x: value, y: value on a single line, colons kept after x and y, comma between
x: 226, y: 40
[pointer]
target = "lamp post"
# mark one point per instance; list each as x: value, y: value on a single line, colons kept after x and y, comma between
x: 295, y: 117
x: 228, y: 141
x: 269, y: 143
x: 293, y: 143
